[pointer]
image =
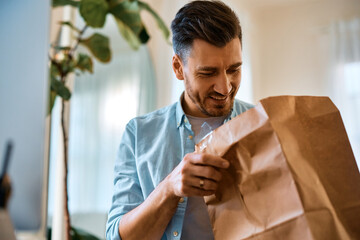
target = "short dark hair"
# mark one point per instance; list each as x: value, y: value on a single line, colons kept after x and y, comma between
x: 211, y: 21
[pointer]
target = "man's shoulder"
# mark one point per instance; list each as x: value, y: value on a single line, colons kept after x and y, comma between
x: 158, y: 116
x: 159, y: 113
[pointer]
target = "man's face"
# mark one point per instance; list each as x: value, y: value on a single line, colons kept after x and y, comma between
x: 211, y: 76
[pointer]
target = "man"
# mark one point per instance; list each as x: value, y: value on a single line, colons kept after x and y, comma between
x: 159, y: 180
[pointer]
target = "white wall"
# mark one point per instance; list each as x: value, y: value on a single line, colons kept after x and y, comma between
x: 24, y: 46
x: 290, y: 45
x: 286, y: 45
x: 168, y: 87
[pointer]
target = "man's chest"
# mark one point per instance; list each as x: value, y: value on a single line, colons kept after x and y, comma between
x: 157, y: 156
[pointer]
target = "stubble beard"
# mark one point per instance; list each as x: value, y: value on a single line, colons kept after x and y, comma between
x: 219, y: 110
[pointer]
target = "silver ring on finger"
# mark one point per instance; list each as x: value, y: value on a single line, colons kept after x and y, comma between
x: 201, y: 183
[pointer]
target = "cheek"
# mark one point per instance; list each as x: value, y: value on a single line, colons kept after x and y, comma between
x: 205, y: 89
x: 201, y: 86
x: 236, y: 80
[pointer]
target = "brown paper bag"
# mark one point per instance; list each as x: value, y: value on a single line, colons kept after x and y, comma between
x: 293, y: 174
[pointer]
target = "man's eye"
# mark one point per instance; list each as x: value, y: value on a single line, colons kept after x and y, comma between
x: 232, y: 71
x: 206, y: 74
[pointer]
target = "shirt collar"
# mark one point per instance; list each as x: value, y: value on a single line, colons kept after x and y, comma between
x: 181, y: 117
x: 233, y: 113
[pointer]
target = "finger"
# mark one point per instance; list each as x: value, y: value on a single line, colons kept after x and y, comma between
x: 201, y: 183
x: 207, y: 159
x: 201, y: 192
x: 196, y: 191
x: 204, y: 171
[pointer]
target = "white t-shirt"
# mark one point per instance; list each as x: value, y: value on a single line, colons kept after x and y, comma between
x: 202, y: 126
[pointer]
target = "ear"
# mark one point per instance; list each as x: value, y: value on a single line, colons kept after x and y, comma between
x: 177, y: 65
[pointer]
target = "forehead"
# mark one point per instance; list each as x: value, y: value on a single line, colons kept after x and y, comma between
x: 205, y: 54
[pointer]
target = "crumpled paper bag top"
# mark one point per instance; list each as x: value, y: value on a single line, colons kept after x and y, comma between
x: 292, y: 173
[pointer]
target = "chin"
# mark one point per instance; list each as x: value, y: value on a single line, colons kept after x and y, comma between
x: 217, y: 111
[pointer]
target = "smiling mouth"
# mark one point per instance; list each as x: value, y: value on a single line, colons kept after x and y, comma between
x: 218, y: 98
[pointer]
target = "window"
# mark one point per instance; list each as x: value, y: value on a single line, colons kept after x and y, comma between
x: 101, y: 105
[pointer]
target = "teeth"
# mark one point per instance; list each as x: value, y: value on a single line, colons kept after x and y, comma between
x: 217, y: 98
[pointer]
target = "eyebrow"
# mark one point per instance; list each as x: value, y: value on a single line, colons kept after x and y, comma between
x: 236, y: 65
x: 207, y: 68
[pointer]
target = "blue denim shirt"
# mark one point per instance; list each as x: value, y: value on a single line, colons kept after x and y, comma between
x: 151, y: 147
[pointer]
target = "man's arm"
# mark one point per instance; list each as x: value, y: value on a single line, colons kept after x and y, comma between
x: 149, y: 219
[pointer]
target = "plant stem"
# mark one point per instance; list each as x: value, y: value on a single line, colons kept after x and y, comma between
x: 65, y: 139
x: 63, y: 76
x: 78, y: 39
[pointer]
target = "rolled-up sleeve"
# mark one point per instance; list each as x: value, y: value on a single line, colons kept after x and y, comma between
x: 127, y: 191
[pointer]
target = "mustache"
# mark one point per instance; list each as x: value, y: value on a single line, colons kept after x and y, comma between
x: 216, y: 94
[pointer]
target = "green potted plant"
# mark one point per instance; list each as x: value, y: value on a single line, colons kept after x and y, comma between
x: 64, y: 60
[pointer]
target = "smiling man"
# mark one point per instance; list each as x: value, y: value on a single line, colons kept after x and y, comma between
x: 211, y: 76
x: 159, y: 180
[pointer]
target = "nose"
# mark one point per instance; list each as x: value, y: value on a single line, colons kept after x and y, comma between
x: 223, y: 85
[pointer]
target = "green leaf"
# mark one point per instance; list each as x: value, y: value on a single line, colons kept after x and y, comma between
x: 128, y: 34
x: 144, y: 36
x: 99, y: 46
x: 94, y: 12
x: 59, y: 48
x: 62, y: 66
x: 67, y: 65
x: 160, y: 22
x: 70, y: 25
x: 52, y: 98
x: 127, y: 16
x: 129, y: 13
x: 84, y: 63
x: 54, y: 74
x: 54, y: 71
x: 48, y: 233
x: 60, y: 3
x: 78, y: 234
x: 60, y: 89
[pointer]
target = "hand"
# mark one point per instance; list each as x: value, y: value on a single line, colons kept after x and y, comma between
x: 197, y: 175
x: 5, y: 191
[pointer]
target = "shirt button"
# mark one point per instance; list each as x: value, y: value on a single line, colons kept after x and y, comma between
x: 175, y: 234
x: 181, y: 200
x: 190, y: 137
x: 185, y: 120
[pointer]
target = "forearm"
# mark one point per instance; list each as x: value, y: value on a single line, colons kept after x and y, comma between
x: 149, y: 219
